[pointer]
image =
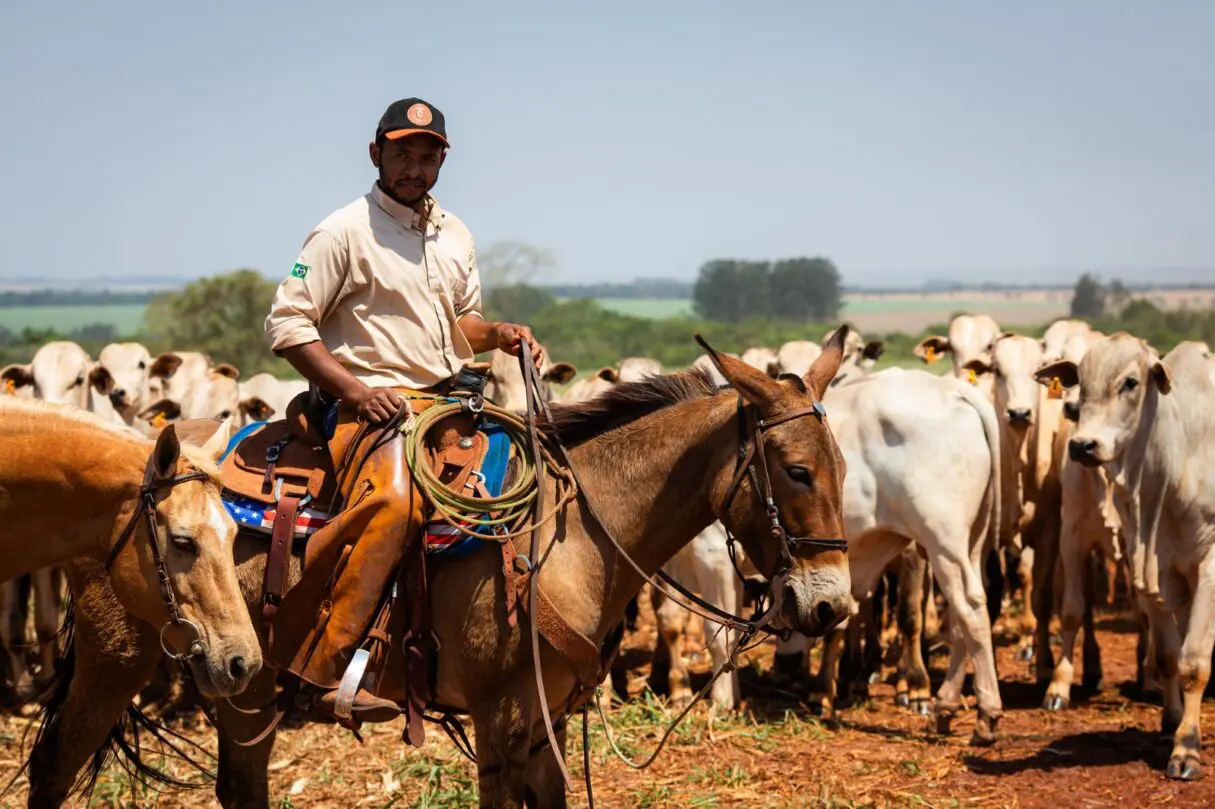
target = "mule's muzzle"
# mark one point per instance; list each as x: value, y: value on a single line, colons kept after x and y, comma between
x: 226, y: 673
x: 817, y: 617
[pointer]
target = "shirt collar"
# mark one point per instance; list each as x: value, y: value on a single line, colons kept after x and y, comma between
x: 403, y: 213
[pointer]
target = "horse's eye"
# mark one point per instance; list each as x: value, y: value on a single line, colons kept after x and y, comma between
x: 1129, y: 385
x: 184, y: 542
x: 800, y: 474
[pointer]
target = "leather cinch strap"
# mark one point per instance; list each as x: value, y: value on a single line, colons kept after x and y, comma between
x: 279, y: 557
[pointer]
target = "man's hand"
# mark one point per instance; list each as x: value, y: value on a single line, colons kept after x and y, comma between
x: 375, y: 405
x: 509, y: 335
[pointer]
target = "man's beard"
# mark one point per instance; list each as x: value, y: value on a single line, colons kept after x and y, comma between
x: 395, y: 196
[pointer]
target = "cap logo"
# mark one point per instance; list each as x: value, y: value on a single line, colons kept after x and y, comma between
x: 420, y: 114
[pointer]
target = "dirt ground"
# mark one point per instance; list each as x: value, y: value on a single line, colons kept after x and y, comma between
x: 776, y: 752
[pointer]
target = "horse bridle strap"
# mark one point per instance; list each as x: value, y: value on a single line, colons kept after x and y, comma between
x: 147, y: 510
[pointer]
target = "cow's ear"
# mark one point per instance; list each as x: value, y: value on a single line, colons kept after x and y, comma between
x: 873, y: 350
x: 15, y: 377
x: 978, y: 366
x: 165, y: 365
x: 101, y: 380
x: 609, y: 374
x: 560, y: 373
x: 930, y: 349
x: 1163, y: 376
x: 1061, y: 373
x: 226, y: 369
x: 256, y: 409
x: 161, y: 412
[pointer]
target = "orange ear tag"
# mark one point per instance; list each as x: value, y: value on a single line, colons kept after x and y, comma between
x: 10, y: 387
x: 972, y: 376
x: 1055, y: 391
x: 931, y: 356
x: 158, y: 420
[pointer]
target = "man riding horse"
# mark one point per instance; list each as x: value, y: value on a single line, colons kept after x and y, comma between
x: 383, y: 302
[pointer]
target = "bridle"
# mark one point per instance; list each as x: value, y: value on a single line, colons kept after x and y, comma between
x: 147, y: 509
x: 751, y: 459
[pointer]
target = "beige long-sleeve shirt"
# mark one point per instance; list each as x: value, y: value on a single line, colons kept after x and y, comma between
x: 383, y: 289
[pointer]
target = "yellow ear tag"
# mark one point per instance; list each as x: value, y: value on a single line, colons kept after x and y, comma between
x: 159, y: 420
x: 10, y: 387
x: 1055, y: 391
x: 972, y: 376
x: 931, y: 356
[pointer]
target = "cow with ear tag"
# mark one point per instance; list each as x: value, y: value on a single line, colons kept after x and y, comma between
x: 505, y: 387
x: 971, y: 337
x: 1150, y: 423
x: 119, y: 381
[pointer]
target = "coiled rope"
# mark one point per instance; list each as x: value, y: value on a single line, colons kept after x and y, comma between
x: 506, y: 516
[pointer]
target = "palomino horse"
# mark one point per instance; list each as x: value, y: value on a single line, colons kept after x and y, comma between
x: 73, y: 488
x: 658, y: 459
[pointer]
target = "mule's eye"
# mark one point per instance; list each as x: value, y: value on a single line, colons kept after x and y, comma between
x: 800, y: 474
x: 184, y: 542
x: 1129, y: 385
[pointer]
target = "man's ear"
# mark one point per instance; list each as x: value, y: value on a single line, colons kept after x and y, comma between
x: 373, y: 151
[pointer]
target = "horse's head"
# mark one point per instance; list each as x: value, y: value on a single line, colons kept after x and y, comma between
x: 195, y: 537
x: 785, y: 432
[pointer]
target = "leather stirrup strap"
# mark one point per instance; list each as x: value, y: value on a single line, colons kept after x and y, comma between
x: 579, y: 652
x: 275, y: 584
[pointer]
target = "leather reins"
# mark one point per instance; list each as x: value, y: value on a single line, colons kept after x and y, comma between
x: 147, y: 510
x: 751, y: 457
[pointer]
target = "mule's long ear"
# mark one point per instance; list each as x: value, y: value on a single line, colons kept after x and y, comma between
x: 824, y: 369
x: 1065, y: 371
x: 1163, y: 376
x: 755, y: 385
x: 930, y: 349
x: 164, y: 457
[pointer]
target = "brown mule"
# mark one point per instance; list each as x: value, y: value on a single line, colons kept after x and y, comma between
x: 658, y: 460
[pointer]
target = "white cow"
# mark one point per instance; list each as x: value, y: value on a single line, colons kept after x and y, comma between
x: 971, y: 337
x: 1057, y: 336
x: 796, y: 356
x: 185, y: 385
x: 1150, y: 423
x: 506, y: 389
x: 59, y: 372
x: 264, y: 397
x: 762, y: 359
x: 860, y: 356
x: 633, y: 369
x: 119, y: 382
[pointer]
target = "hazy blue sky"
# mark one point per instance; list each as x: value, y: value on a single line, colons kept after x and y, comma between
x: 902, y: 139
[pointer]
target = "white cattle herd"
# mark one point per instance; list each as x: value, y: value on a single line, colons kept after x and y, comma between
x: 1029, y: 458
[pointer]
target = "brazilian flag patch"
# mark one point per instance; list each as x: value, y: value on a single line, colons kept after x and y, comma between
x: 300, y: 270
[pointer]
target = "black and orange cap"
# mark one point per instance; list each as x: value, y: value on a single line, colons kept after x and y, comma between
x: 411, y: 116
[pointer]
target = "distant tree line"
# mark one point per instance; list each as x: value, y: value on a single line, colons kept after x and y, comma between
x: 805, y: 290
x: 1093, y: 299
x: 73, y: 297
x: 653, y: 288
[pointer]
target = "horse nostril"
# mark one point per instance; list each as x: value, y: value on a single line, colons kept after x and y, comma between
x: 238, y: 668
x: 825, y: 614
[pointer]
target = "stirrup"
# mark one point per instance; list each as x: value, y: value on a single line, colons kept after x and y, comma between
x: 352, y: 680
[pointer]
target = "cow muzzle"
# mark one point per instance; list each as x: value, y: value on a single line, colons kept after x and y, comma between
x: 1083, y: 451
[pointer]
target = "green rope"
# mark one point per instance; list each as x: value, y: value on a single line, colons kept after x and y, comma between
x: 457, y: 508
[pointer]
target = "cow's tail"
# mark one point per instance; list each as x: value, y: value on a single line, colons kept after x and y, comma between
x: 993, y: 496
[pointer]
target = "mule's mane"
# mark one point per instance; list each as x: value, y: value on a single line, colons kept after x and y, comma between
x: 44, y: 418
x: 625, y: 403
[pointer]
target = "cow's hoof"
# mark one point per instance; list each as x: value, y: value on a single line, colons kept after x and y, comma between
x: 1025, y: 654
x: 1055, y: 702
x: 1185, y: 768
x: 923, y: 707
x: 875, y: 678
x: 945, y: 723
x: 680, y: 700
x: 902, y: 700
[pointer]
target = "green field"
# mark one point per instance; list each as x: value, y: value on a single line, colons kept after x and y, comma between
x: 123, y: 317
x: 648, y: 307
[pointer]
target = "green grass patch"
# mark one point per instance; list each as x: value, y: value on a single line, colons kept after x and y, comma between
x: 124, y: 317
x: 648, y: 307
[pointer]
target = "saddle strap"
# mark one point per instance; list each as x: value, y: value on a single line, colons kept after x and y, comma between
x: 418, y: 646
x: 275, y: 583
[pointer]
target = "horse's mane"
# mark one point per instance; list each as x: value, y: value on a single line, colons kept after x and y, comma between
x: 42, y: 416
x: 624, y: 403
